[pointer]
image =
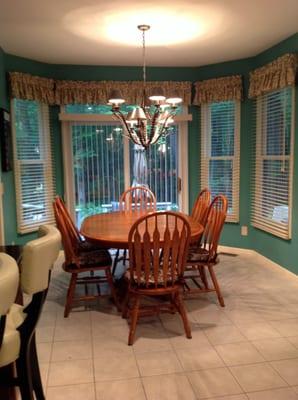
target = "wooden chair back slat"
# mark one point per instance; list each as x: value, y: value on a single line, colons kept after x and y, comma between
x: 201, y: 206
x: 157, y: 258
x: 137, y: 198
x: 215, y: 220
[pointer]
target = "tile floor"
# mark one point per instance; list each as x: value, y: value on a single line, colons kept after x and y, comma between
x: 247, y: 350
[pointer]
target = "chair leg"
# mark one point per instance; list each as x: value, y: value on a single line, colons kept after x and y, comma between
x: 24, y: 372
x: 36, y: 378
x: 216, y: 285
x: 125, y: 305
x: 134, y: 320
x: 115, y: 262
x: 182, y: 312
x: 70, y: 294
x: 124, y: 256
x: 112, y: 287
x: 203, y: 276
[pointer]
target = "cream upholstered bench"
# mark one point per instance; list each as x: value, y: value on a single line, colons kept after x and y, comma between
x: 38, y: 258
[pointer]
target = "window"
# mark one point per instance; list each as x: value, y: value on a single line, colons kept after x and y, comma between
x: 272, y: 203
x: 220, y: 149
x: 33, y: 165
x: 99, y: 163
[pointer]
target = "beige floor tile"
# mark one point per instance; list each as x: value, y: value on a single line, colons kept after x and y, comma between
x: 111, y: 344
x: 106, y: 314
x: 288, y: 370
x: 256, y: 377
x: 168, y: 387
x: 120, y: 367
x: 288, y: 327
x: 293, y: 340
x: 217, y: 317
x: 198, y: 340
x: 176, y: 334
x: 276, y: 349
x: 199, y: 358
x: 239, y: 353
x: 276, y: 314
x: 258, y: 330
x: 71, y: 350
x: 103, y: 328
x: 72, y: 332
x: 45, y: 334
x: 130, y: 389
x: 243, y: 316
x: 158, y: 363
x: 213, y: 382
x: 44, y: 373
x: 151, y: 337
x: 233, y: 397
x: 70, y: 372
x: 48, y: 318
x: 44, y: 351
x: 224, y: 334
x: 85, y: 391
x: 276, y: 394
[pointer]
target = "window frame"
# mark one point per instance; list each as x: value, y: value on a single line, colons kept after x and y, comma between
x: 46, y: 161
x: 261, y: 133
x: 206, y: 157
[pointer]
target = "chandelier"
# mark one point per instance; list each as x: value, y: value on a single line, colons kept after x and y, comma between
x: 145, y: 125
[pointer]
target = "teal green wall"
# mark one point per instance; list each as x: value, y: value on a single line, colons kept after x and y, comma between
x: 283, y: 252
x: 279, y: 250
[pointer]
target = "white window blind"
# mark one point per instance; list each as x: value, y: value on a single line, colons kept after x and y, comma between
x: 220, y: 152
x: 32, y: 164
x: 273, y: 162
x: 98, y: 167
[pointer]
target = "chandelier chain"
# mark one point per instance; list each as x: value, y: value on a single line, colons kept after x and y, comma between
x: 144, y: 60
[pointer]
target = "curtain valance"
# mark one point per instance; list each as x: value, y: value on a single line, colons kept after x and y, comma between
x: 218, y: 89
x: 276, y: 75
x: 50, y: 91
x: 79, y: 92
x: 28, y: 87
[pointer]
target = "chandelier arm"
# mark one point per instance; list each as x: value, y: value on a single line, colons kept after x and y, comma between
x: 153, y: 123
x: 120, y: 116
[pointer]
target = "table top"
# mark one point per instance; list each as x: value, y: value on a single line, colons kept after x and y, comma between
x: 111, y: 229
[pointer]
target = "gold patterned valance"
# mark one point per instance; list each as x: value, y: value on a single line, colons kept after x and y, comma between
x: 79, y: 92
x: 218, y: 89
x: 276, y: 75
x: 28, y: 87
x: 50, y: 91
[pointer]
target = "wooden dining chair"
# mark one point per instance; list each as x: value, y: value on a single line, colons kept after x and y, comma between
x: 201, y: 206
x: 136, y: 198
x: 85, y: 267
x: 158, y: 245
x: 204, y: 255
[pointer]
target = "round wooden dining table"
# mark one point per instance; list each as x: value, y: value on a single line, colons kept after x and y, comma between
x: 111, y: 229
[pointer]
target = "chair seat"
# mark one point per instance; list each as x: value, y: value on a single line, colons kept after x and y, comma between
x: 151, y: 280
x: 196, y: 253
x: 85, y: 245
x: 10, y: 347
x: 99, y: 257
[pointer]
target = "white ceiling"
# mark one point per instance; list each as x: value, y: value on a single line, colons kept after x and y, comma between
x: 183, y: 33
